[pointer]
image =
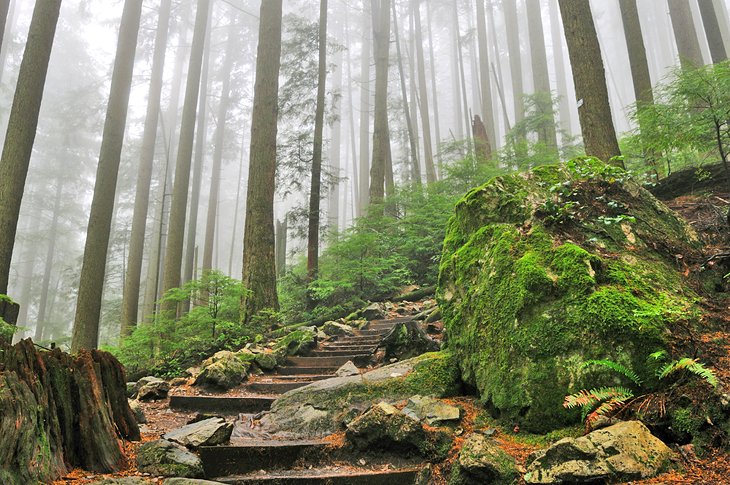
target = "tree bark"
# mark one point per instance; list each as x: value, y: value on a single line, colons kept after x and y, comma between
x: 566, y: 122
x: 515, y: 58
x: 281, y: 231
x: 485, y: 79
x: 93, y: 269
x: 335, y: 149
x: 381, y: 135
x: 599, y: 135
x: 259, y: 265
x: 712, y: 31
x: 462, y: 76
x: 4, y: 8
x: 178, y: 205
x: 22, y: 125
x: 48, y: 265
x: 434, y: 90
x: 685, y: 34
x: 364, y: 156
x: 637, y: 53
x: 130, y: 300
x: 423, y: 99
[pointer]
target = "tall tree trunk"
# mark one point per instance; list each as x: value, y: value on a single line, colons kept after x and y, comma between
x: 48, y: 265
x: 456, y: 85
x: 351, y: 116
x: 130, y: 300
x: 415, y: 165
x: 599, y: 135
x: 219, y: 145
x: 22, y: 126
x: 637, y: 53
x: 178, y: 205
x: 685, y: 34
x: 234, y: 230
x: 462, y: 76
x: 93, y: 269
x: 712, y: 30
x: 281, y: 230
x: 434, y: 90
x: 335, y: 149
x: 515, y: 58
x: 259, y: 265
x: 27, y: 272
x: 4, y: 8
x: 546, y: 134
x: 484, y: 77
x: 201, y: 139
x: 556, y: 33
x: 364, y: 156
x: 381, y: 135
x: 724, y: 21
x: 423, y: 99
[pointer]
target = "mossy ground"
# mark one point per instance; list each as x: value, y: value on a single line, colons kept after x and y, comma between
x: 545, y: 270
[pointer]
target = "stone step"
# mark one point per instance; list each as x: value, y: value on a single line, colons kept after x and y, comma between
x: 221, y: 404
x: 301, y: 371
x: 327, y: 476
x: 275, y: 387
x: 305, y: 378
x: 339, y: 353
x: 246, y: 456
x: 354, y: 349
x: 333, y: 362
x: 366, y: 340
x: 376, y: 332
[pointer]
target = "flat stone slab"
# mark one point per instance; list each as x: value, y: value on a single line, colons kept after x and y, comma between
x: 208, y: 432
x: 225, y: 405
x: 327, y: 476
x: 275, y: 387
x: 254, y: 455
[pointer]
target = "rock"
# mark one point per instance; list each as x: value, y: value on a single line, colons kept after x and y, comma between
x: 434, y: 328
x: 208, y: 432
x: 623, y: 452
x: 131, y: 390
x: 384, y: 427
x: 431, y: 410
x: 323, y: 407
x: 347, y: 369
x: 266, y: 360
x: 122, y: 481
x: 405, y: 340
x: 167, y: 459
x: 434, y: 316
x: 137, y: 410
x: 374, y: 311
x: 188, y: 481
x: 192, y: 371
x: 298, y: 342
x: 154, y: 389
x: 544, y: 270
x: 224, y: 370
x: 481, y: 460
x: 337, y: 329
x: 178, y: 381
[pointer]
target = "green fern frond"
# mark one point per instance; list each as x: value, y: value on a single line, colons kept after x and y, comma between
x: 616, y: 367
x: 590, y: 398
x: 691, y: 365
x: 658, y: 355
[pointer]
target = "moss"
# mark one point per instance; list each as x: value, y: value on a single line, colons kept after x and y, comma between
x: 297, y: 342
x: 525, y: 301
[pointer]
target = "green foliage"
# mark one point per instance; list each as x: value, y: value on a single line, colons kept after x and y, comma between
x: 166, y: 347
x: 692, y: 366
x: 616, y: 367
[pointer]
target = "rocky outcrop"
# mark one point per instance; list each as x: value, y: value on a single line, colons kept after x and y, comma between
x: 374, y: 311
x: 207, y: 432
x: 149, y: 388
x: 167, y: 459
x: 59, y: 411
x: 406, y: 340
x: 623, y: 452
x: 324, y: 407
x: 298, y: 342
x: 224, y: 370
x: 481, y: 460
x: 544, y: 270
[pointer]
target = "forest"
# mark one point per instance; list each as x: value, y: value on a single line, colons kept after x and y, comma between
x: 364, y: 241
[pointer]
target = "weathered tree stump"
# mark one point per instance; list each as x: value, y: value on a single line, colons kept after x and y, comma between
x: 59, y: 411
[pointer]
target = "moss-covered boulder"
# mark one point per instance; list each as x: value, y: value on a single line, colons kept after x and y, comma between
x: 324, y: 407
x: 298, y: 342
x: 225, y: 369
x: 544, y: 270
x: 481, y: 460
x: 167, y: 459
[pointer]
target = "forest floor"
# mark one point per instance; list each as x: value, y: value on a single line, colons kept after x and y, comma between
x: 706, y: 213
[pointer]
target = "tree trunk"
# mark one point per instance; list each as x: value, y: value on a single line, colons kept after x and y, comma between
x: 637, y: 53
x: 423, y: 99
x: 485, y: 79
x: 434, y: 90
x: 61, y: 411
x: 335, y: 149
x: 364, y: 157
x: 88, y: 305
x: 219, y: 145
x: 556, y: 33
x: 259, y: 265
x: 515, y: 58
x: 685, y: 34
x: 315, y: 190
x: 712, y: 30
x: 462, y: 76
x: 381, y: 135
x: 234, y: 230
x: 4, y: 8
x: 178, y: 205
x: 415, y: 165
x: 130, y: 300
x: 281, y: 230
x: 456, y: 86
x: 22, y: 125
x: 599, y: 135
x: 540, y: 76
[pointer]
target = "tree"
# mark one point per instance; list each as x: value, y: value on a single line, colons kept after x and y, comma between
x: 4, y: 8
x: 599, y: 135
x: 88, y: 305
x: 130, y: 302
x: 316, y: 180
x: 484, y: 77
x: 22, y: 126
x: 178, y: 205
x: 637, y: 52
x: 423, y: 97
x: 515, y: 57
x: 364, y: 149
x: 259, y: 265
x: 685, y: 34
x: 712, y: 30
x: 556, y: 33
x: 381, y: 133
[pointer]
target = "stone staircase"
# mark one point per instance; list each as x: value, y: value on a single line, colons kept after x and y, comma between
x: 267, y: 461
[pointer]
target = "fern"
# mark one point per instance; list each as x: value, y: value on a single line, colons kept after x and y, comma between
x: 590, y: 398
x: 690, y: 365
x: 616, y: 367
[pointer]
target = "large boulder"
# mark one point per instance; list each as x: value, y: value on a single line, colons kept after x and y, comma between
x: 338, y: 329
x: 431, y: 411
x: 152, y: 388
x: 224, y: 370
x: 544, y: 270
x: 406, y: 340
x: 623, y: 452
x: 324, y: 407
x: 481, y: 460
x: 374, y: 311
x: 167, y: 459
x: 298, y: 342
x: 207, y: 432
